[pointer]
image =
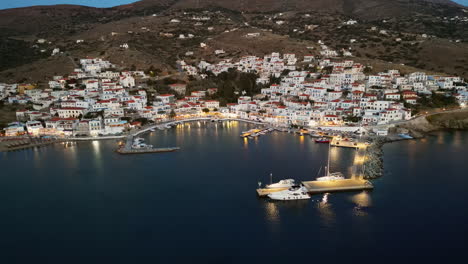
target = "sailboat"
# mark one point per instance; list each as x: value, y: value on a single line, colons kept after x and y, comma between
x: 330, y: 176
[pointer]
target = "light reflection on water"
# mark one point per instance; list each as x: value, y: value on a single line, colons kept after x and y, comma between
x: 145, y: 193
x: 457, y: 139
x: 325, y: 211
x: 362, y: 201
x: 272, y: 212
x: 97, y: 154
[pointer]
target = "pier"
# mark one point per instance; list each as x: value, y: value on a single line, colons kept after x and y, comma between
x: 336, y: 142
x: 337, y: 185
x: 265, y: 192
x: 146, y: 151
x: 26, y: 143
x: 254, y: 132
x: 316, y: 187
x: 128, y: 149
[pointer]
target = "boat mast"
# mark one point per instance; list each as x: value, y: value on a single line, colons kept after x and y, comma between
x: 271, y: 178
x: 328, y: 163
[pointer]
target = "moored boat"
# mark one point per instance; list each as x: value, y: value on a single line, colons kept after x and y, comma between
x: 334, y: 176
x: 293, y: 193
x: 331, y: 177
x: 281, y: 184
x: 322, y: 140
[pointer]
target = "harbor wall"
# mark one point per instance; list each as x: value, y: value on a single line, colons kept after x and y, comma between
x: 373, y: 164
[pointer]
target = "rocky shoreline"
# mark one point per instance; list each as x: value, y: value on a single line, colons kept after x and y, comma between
x: 373, y: 166
x: 416, y: 128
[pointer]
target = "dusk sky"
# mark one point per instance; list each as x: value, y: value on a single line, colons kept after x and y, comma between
x: 97, y: 3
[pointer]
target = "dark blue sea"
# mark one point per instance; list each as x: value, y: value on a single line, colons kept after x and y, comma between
x: 86, y: 204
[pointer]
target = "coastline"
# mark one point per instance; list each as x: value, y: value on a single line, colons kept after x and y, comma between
x: 373, y: 166
x: 419, y: 127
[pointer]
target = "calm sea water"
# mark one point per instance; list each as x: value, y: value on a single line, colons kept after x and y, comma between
x: 86, y: 204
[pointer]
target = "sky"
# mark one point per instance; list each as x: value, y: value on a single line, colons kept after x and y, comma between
x: 4, y: 4
x: 97, y: 3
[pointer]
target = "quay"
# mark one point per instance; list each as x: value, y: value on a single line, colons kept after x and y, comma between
x: 146, y: 151
x: 335, y: 142
x: 254, y: 132
x: 27, y: 143
x: 128, y: 149
x: 316, y: 187
x: 264, y: 192
x: 337, y: 185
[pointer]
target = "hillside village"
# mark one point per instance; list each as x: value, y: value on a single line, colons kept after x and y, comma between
x: 97, y: 100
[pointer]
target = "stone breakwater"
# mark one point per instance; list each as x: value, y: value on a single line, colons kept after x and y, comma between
x: 417, y: 128
x: 373, y: 166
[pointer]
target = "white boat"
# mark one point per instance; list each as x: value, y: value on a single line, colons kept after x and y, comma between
x: 152, y: 130
x: 141, y: 146
x: 331, y: 177
x: 293, y: 193
x: 281, y: 184
x: 138, y: 140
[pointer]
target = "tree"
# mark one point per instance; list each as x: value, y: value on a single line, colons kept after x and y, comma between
x: 367, y: 70
x: 172, y: 114
x: 352, y: 118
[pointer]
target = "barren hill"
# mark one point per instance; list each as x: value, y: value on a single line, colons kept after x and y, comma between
x: 146, y: 25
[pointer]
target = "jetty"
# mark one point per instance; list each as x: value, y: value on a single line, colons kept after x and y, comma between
x: 339, y: 142
x: 146, y: 151
x: 337, y: 185
x: 254, y: 132
x: 264, y: 192
x: 26, y: 143
x: 128, y: 148
x: 316, y: 187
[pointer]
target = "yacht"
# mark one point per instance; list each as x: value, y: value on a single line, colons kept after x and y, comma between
x: 281, y: 184
x: 139, y: 143
x: 138, y: 140
x: 293, y: 193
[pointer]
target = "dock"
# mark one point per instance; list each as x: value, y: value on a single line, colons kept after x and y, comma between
x: 265, y: 192
x: 337, y: 185
x: 253, y: 132
x: 146, y: 151
x: 27, y: 143
x: 128, y: 149
x: 347, y: 144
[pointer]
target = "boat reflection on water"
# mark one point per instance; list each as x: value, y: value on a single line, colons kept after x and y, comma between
x: 273, y: 208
